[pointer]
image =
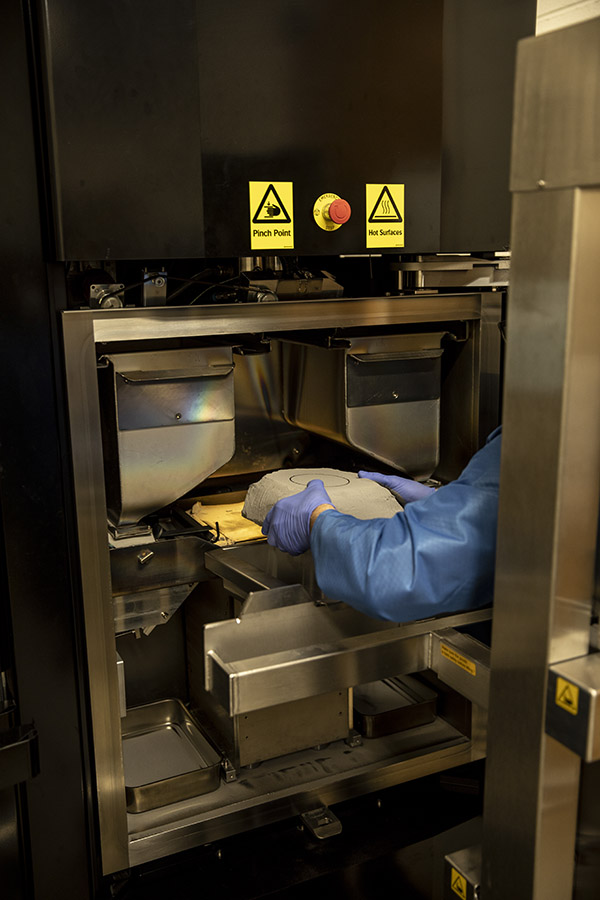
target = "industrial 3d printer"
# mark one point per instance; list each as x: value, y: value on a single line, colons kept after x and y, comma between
x: 247, y: 236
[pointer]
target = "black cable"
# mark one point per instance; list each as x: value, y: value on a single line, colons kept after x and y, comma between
x: 151, y: 275
x: 184, y: 287
x: 224, y: 283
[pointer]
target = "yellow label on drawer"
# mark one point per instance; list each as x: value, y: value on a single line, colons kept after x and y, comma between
x: 458, y: 659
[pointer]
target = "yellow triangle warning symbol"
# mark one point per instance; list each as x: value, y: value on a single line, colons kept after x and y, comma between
x: 567, y: 696
x: 458, y: 883
x: 385, y: 209
x: 270, y: 208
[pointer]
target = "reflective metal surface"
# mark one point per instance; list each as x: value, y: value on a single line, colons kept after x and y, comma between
x: 547, y: 536
x: 88, y: 473
x: 141, y: 324
x: 556, y: 139
x: 380, y: 395
x: 146, y: 609
x: 166, y: 759
x: 168, y: 424
x: 263, y: 659
x: 550, y: 472
x: 275, y: 732
x: 174, y: 561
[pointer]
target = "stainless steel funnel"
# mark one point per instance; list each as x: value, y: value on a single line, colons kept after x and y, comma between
x: 168, y: 423
x: 378, y: 394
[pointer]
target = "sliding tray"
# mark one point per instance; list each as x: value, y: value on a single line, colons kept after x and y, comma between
x: 165, y: 757
x: 391, y: 705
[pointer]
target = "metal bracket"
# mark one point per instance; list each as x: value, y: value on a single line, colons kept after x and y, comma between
x: 322, y: 823
x: 463, y: 663
x: 354, y: 739
x: 106, y: 296
x: 229, y: 771
x: 19, y: 755
x: 462, y: 874
x: 573, y: 705
x: 7, y: 703
x: 154, y: 289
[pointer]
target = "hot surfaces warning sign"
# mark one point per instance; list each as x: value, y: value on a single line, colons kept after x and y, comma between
x: 271, y: 215
x: 385, y: 215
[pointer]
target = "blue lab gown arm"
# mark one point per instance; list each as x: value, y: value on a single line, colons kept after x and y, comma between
x: 437, y: 556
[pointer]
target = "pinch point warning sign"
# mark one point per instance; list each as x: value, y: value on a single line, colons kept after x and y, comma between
x: 271, y: 215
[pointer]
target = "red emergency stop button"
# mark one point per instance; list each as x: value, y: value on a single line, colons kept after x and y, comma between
x: 339, y: 211
x: 330, y: 211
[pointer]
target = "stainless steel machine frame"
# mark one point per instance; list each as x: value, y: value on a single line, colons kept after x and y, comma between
x: 83, y: 331
x: 549, y: 495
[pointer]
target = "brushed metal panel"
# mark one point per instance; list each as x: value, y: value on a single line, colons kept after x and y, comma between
x: 166, y: 322
x: 288, y: 727
x: 549, y: 491
x: 245, y: 685
x: 556, y: 135
x: 86, y: 442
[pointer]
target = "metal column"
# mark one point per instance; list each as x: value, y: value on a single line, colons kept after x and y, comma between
x: 550, y: 470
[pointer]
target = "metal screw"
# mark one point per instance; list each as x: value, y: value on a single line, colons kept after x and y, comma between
x: 164, y: 614
x: 219, y: 854
x: 395, y: 395
x: 159, y: 282
x: 177, y: 415
x: 145, y: 556
x: 378, y: 803
x: 541, y: 183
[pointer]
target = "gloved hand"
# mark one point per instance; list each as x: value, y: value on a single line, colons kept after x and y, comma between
x: 287, y: 525
x: 407, y: 489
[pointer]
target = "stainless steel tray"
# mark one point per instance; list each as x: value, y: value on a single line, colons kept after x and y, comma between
x: 391, y: 705
x: 165, y: 757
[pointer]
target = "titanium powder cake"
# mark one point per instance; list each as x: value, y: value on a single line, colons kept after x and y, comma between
x: 359, y: 497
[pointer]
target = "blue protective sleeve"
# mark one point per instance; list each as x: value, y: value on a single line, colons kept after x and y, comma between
x: 437, y: 556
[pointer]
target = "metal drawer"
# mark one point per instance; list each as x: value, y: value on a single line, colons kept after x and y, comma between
x: 303, y: 649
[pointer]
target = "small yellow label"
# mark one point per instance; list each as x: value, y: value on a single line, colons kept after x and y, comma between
x: 385, y: 215
x: 458, y: 659
x: 271, y: 215
x: 458, y: 883
x: 567, y: 696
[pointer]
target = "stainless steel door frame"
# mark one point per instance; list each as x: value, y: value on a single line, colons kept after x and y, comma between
x: 550, y: 470
x: 82, y: 331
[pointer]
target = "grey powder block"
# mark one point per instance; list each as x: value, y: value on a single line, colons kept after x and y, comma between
x: 350, y: 494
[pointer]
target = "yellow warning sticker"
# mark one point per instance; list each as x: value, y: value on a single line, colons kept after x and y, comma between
x: 458, y: 883
x: 272, y: 215
x: 385, y: 215
x: 567, y: 696
x: 458, y: 659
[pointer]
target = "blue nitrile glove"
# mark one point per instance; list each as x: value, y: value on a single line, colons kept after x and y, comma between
x: 287, y: 525
x: 407, y: 489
